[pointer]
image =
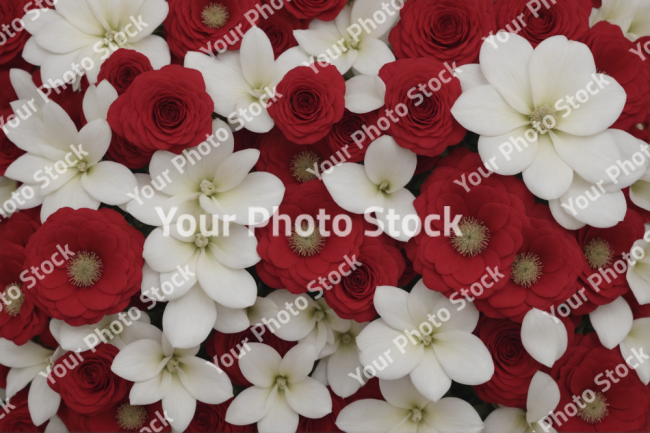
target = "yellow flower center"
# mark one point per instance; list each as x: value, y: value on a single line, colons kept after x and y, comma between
x: 85, y: 269
x: 474, y: 239
x: 215, y: 15
x: 595, y: 411
x: 599, y: 253
x: 131, y: 417
x: 526, y: 269
x: 303, y: 161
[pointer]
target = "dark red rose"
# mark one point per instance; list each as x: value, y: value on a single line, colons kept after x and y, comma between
x: 289, y: 161
x: 492, y: 222
x: 123, y: 417
x: 324, y: 10
x: 326, y: 423
x: 611, y: 50
x: 18, y: 419
x: 445, y: 30
x: 230, y: 346
x: 569, y: 18
x: 164, y: 110
x: 409, y: 273
x: 425, y: 163
x: 369, y: 390
x: 9, y: 152
x: 89, y: 386
x: 245, y: 139
x: 192, y: 25
x: 210, y: 418
x: 294, y: 261
x: 427, y: 128
x: 340, y: 138
x: 382, y: 264
x: 279, y: 28
x: 126, y: 153
x: 4, y: 371
x: 607, y: 249
x: 621, y: 400
x: 122, y: 68
x: 312, y: 101
x: 13, y: 35
x: 100, y: 277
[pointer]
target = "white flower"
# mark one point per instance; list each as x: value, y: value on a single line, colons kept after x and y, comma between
x: 544, y: 337
x: 79, y: 29
x: 365, y: 52
x: 379, y: 183
x: 640, y: 191
x: 333, y: 370
x: 543, y: 397
x: 7, y: 186
x: 219, y: 184
x: 528, y: 92
x: 79, y: 178
x: 26, y: 363
x: 314, y: 325
x: 407, y: 410
x: 638, y: 275
x: 175, y: 376
x: 632, y: 16
x: 237, y: 80
x: 440, y: 353
x: 281, y: 390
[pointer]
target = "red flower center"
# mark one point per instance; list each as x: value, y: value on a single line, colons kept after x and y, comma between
x: 215, y: 15
x: 85, y: 269
x: 599, y: 253
x: 526, y: 269
x: 594, y: 411
x: 303, y: 161
x: 131, y: 417
x: 13, y: 299
x: 306, y: 245
x: 474, y: 239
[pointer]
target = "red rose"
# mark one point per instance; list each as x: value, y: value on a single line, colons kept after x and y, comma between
x: 340, y: 138
x: 230, y: 346
x: 213, y: 26
x: 212, y: 418
x: 425, y: 163
x: 427, y: 128
x: 279, y: 28
x: 312, y: 101
x: 369, y: 390
x: 611, y: 50
x: 326, y: 423
x: 14, y: 36
x: 324, y: 10
x: 569, y: 18
x: 9, y: 152
x: 18, y: 419
x: 445, y: 30
x: 290, y: 161
x: 382, y: 264
x: 88, y: 385
x: 409, y: 273
x: 294, y: 261
x: 123, y: 417
x: 100, y: 277
x: 620, y: 400
x: 164, y: 110
x: 492, y: 224
x: 122, y: 68
x: 126, y: 153
x: 604, y: 249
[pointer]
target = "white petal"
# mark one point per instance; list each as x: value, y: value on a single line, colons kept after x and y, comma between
x: 139, y: 361
x: 237, y: 250
x: 204, y: 382
x: 589, y: 156
x: 506, y: 419
x: 27, y: 355
x: 543, y: 338
x: 257, y: 58
x: 251, y: 405
x: 392, y: 305
x: 19, y: 378
x: 150, y: 391
x: 548, y: 176
x: 636, y: 344
x: 309, y: 398
x: 109, y: 182
x: 564, y: 217
x: 430, y: 378
x: 155, y: 12
x: 454, y: 415
x: 606, y: 211
x: 72, y: 195
x: 43, y: 402
x: 234, y: 288
x: 612, y: 322
x: 164, y: 253
x: 370, y: 416
x: 351, y: 189
x: 510, y: 153
x: 365, y: 10
x: 364, y: 93
x: 543, y: 397
x: 342, y: 362
x: 235, y: 168
x: 23, y: 85
x: 61, y: 37
x: 189, y: 320
x: 401, y: 204
x: 470, y: 76
x: 26, y: 167
x: 464, y: 357
x: 231, y: 320
x: 79, y: 15
x: 260, y: 365
x: 161, y: 165
x: 140, y: 330
x: 179, y: 404
x: 372, y: 55
x: 290, y: 59
x: 56, y: 425
x: 386, y: 161
x: 98, y: 100
x: 280, y: 418
x: 155, y: 49
x: 402, y: 393
x: 298, y: 362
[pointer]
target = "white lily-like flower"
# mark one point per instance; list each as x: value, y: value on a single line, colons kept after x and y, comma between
x: 93, y: 29
x: 640, y: 191
x: 316, y: 324
x: 281, y: 390
x: 31, y: 363
x: 7, y: 186
x: 543, y: 397
x: 527, y: 123
x: 544, y: 337
x: 345, y: 44
x: 638, y: 275
x: 632, y: 16
x: 412, y: 338
x: 333, y: 370
x: 407, y: 410
x: 238, y: 80
x: 615, y: 325
x: 218, y: 184
x: 78, y: 178
x: 175, y: 376
x: 379, y: 186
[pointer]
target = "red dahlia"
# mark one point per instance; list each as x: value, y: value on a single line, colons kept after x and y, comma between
x: 122, y: 417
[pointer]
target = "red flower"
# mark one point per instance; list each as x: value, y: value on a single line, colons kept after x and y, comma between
x: 312, y: 101
x: 445, y: 30
x: 605, y: 268
x: 294, y: 261
x: 89, y: 386
x: 326, y: 423
x: 18, y: 419
x: 14, y: 36
x: 289, y: 161
x: 382, y: 264
x: 611, y: 50
x: 98, y: 279
x: 279, y: 28
x: 212, y: 418
x: 230, y: 346
x: 122, y: 417
x: 163, y: 110
x: 569, y: 18
x: 341, y: 136
x: 368, y: 391
x: 122, y: 68
x: 9, y: 152
x: 213, y: 26
x: 4, y: 371
x: 428, y: 127
x: 492, y: 224
x: 324, y: 10
x: 620, y: 402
